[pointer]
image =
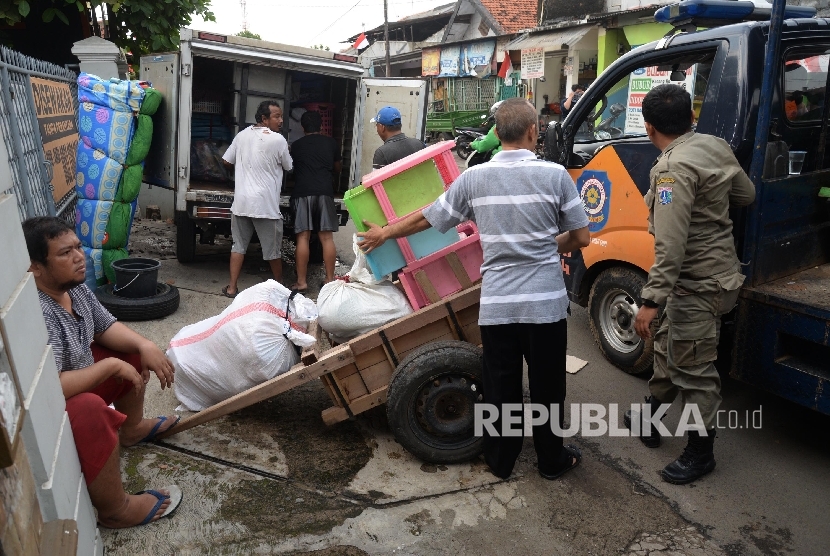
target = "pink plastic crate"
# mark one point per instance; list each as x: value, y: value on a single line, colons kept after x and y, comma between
x: 444, y: 272
x: 440, y: 154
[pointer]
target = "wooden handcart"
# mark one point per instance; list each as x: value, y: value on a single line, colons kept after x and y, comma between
x: 426, y: 367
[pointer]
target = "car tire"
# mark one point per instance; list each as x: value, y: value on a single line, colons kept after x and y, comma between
x: 164, y: 302
x: 431, y: 402
x: 613, y: 305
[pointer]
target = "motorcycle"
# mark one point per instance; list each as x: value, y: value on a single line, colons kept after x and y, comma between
x: 466, y: 135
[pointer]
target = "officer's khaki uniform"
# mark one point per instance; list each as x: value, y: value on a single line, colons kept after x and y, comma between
x: 696, y: 273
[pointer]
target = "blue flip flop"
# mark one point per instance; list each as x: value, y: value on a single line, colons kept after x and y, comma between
x: 152, y: 436
x: 175, y: 498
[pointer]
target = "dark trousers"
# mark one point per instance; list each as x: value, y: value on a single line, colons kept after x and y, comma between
x: 543, y: 346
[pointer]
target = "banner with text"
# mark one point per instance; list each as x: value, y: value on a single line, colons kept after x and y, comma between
x: 533, y: 63
x: 56, y: 120
x: 449, y: 61
x: 476, y: 59
x: 643, y: 80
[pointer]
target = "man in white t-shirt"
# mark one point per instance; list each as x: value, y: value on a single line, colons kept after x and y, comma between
x: 259, y: 155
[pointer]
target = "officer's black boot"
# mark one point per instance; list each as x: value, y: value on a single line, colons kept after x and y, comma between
x: 648, y: 433
x: 696, y: 460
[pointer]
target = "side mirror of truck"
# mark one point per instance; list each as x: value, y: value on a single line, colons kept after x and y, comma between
x: 553, y: 140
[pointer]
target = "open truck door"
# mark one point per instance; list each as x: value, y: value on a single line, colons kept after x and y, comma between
x: 407, y: 95
x: 162, y: 70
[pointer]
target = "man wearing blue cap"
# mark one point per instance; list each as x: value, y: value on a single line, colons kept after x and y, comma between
x: 396, y: 145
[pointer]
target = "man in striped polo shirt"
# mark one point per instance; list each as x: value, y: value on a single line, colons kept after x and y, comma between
x: 527, y: 211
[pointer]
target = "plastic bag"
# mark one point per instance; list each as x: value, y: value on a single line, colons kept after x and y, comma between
x: 206, y: 161
x: 361, y: 304
x: 242, y: 347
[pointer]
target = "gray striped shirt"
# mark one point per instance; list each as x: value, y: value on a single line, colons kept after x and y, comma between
x: 519, y: 204
x: 71, y: 335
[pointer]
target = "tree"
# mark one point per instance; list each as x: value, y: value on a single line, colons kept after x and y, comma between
x: 139, y: 26
x: 248, y: 35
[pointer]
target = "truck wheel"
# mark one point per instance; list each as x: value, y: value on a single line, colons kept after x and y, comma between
x: 431, y: 399
x: 163, y: 303
x: 613, y: 305
x: 185, y: 238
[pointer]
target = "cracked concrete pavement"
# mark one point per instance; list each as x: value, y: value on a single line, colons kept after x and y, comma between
x: 273, y: 479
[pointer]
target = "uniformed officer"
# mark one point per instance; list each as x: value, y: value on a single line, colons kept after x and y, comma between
x: 696, y: 274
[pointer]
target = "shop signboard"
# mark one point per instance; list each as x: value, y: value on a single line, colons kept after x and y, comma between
x: 476, y: 59
x: 449, y: 61
x: 533, y: 63
x: 55, y: 112
x: 431, y: 61
x: 641, y: 81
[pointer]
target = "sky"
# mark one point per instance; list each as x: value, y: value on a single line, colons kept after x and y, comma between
x: 308, y: 22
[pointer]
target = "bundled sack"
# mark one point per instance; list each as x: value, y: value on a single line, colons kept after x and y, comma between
x: 108, y: 130
x: 359, y: 305
x: 96, y: 175
x: 94, y: 267
x: 249, y: 343
x: 130, y: 185
x: 117, y: 94
x: 119, y: 226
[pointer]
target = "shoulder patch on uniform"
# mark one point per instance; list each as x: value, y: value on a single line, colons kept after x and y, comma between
x: 661, y: 181
x: 664, y: 195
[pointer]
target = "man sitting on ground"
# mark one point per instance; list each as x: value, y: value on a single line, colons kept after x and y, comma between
x: 113, y: 370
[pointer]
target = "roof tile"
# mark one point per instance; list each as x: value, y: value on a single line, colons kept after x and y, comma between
x: 513, y: 16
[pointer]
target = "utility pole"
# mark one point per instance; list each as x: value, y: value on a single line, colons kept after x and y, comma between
x: 386, y: 35
x: 244, y: 5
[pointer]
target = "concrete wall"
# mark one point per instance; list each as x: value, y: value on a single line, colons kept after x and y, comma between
x: 47, y: 437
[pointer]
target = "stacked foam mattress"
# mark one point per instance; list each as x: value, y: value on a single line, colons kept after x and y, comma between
x: 116, y: 130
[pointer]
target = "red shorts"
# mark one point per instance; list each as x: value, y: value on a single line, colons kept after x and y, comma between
x: 94, y: 424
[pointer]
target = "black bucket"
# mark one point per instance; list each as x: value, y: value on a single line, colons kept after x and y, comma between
x: 135, y: 277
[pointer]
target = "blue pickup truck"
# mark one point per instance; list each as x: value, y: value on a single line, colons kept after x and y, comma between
x: 758, y: 79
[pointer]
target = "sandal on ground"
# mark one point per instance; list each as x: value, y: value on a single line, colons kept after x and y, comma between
x: 175, y: 498
x: 152, y: 436
x: 294, y: 288
x: 575, y: 457
x: 226, y: 294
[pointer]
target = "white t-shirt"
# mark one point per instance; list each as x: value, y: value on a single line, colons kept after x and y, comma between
x: 259, y: 156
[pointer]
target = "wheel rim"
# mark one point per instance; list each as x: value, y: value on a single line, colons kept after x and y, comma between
x: 617, y: 313
x: 442, y: 410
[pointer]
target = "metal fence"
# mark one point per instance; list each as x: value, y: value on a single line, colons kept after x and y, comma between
x: 31, y: 172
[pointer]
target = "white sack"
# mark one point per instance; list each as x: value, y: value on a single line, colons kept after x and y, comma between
x: 242, y: 347
x: 349, y: 309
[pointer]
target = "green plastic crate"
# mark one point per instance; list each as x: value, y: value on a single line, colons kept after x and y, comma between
x: 363, y: 205
x: 414, y: 188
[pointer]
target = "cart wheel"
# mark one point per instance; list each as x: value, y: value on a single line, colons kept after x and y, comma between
x: 431, y: 399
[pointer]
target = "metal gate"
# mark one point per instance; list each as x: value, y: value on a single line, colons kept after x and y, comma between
x: 31, y: 172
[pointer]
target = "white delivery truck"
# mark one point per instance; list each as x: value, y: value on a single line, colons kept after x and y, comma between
x: 212, y: 87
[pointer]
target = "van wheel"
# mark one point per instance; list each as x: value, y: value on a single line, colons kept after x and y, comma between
x: 185, y: 238
x: 431, y: 402
x: 613, y: 305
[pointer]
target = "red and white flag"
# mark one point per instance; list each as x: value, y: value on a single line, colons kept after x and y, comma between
x: 506, y: 66
x: 361, y: 42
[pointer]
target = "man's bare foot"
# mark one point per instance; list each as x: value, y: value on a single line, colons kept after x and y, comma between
x: 133, y: 435
x: 135, y: 509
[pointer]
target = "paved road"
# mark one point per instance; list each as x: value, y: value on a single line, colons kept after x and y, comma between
x: 274, y: 479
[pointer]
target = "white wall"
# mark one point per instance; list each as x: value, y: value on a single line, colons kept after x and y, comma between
x: 47, y: 436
